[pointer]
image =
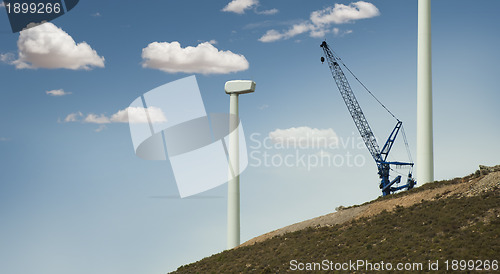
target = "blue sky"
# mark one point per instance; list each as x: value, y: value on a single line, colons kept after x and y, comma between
x: 74, y: 198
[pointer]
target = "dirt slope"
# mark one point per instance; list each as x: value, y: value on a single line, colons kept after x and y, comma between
x: 483, y: 180
x: 439, y: 221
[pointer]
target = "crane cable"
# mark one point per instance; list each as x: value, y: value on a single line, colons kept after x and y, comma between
x: 359, y: 81
x: 406, y: 143
x: 394, y: 116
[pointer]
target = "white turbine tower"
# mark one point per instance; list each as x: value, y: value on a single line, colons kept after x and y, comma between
x: 425, y: 157
x: 234, y: 89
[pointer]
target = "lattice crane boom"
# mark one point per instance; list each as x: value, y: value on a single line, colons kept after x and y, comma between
x: 380, y: 156
x: 352, y: 104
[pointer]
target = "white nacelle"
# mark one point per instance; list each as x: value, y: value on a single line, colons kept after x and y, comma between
x: 239, y: 86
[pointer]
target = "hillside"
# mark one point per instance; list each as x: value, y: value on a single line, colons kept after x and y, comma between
x: 457, y: 219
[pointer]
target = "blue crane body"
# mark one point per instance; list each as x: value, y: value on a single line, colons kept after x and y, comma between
x: 380, y: 156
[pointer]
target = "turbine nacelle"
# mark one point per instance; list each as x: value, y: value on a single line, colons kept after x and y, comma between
x: 239, y: 86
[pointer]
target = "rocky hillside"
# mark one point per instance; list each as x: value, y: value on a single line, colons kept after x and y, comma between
x: 446, y: 225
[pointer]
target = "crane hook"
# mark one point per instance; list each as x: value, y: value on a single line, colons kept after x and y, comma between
x: 322, y: 59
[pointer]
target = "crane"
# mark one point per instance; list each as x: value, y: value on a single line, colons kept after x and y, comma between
x: 379, y: 155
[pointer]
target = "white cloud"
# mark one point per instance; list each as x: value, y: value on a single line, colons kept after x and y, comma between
x: 271, y: 36
x: 57, y: 92
x: 319, y: 21
x: 341, y: 14
x: 97, y: 14
x: 239, y: 6
x: 138, y: 115
x: 204, y: 58
x: 73, y: 117
x: 3, y: 139
x: 132, y: 114
x: 319, y: 33
x: 274, y: 35
x: 96, y: 119
x: 338, y: 32
x: 304, y: 137
x: 2, y: 4
x: 47, y: 46
x: 298, y: 29
x: 262, y: 107
x: 100, y: 128
x: 8, y: 58
x: 212, y: 41
x: 268, y: 12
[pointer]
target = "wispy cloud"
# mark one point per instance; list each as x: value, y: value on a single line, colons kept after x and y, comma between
x: 97, y: 119
x: 2, y: 4
x: 57, y: 92
x: 274, y: 35
x: 100, y: 128
x: 320, y: 21
x: 262, y: 107
x: 3, y: 139
x: 7, y: 58
x: 97, y: 14
x: 240, y: 6
x: 138, y: 115
x: 338, y: 32
x: 73, y: 117
x: 128, y: 115
x: 267, y: 12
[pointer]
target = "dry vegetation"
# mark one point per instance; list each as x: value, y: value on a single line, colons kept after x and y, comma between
x: 454, y: 219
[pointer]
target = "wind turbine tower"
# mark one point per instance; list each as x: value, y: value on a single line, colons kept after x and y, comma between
x: 234, y: 89
x: 425, y: 154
